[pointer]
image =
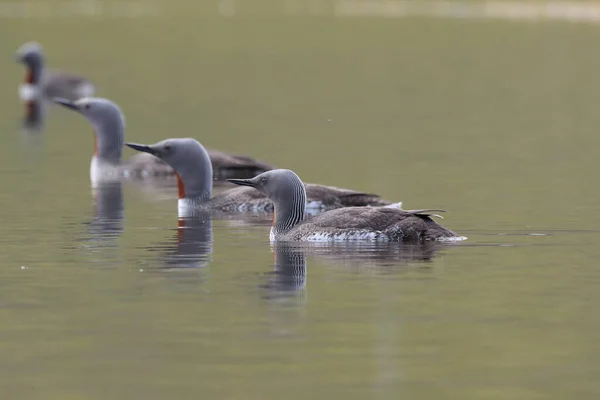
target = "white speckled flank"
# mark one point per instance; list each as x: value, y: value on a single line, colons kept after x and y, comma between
x: 347, y: 236
x: 453, y: 239
x: 250, y: 207
x: 315, y: 206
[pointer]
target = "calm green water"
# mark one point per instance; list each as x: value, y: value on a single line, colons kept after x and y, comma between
x: 494, y: 121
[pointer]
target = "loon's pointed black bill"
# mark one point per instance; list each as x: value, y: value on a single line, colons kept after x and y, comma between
x: 242, y: 182
x: 141, y: 147
x: 66, y: 103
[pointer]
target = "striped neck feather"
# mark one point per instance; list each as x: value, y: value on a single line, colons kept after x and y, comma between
x: 290, y: 212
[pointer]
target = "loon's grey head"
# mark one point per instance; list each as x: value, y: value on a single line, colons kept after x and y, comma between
x: 108, y: 122
x: 285, y: 189
x: 97, y: 110
x: 279, y: 185
x: 189, y: 159
x: 30, y: 54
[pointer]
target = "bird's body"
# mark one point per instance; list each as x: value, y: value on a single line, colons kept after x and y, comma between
x: 66, y: 85
x: 387, y: 224
x: 193, y: 169
x: 319, y: 198
x: 243, y: 200
x: 107, y: 165
x: 224, y: 166
x: 43, y: 84
x: 367, y: 224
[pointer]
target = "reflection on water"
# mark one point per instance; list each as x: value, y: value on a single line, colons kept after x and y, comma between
x: 102, y: 230
x: 288, y: 276
x: 109, y: 210
x: 370, y: 255
x: 283, y: 291
x: 289, y: 271
x: 190, y: 246
x: 106, y: 223
x: 432, y: 112
x: 34, y: 116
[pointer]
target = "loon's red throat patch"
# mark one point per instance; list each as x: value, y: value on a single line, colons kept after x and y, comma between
x: 180, y: 186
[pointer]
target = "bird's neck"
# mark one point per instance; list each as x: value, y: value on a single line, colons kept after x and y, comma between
x: 33, y: 74
x: 289, y: 213
x: 194, y: 181
x: 108, y: 142
x: 199, y: 193
x: 29, y: 90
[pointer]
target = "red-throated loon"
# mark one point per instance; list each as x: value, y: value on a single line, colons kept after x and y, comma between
x: 288, y: 193
x: 191, y: 162
x: 109, y: 130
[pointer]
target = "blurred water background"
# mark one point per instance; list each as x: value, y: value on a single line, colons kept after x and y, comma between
x: 486, y: 109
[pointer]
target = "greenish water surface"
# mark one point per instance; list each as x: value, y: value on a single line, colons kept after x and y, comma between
x: 495, y: 121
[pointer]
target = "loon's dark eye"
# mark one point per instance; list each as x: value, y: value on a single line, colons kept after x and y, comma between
x: 87, y: 106
x: 263, y: 179
x: 167, y: 148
